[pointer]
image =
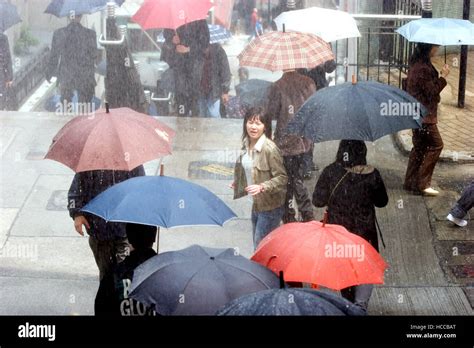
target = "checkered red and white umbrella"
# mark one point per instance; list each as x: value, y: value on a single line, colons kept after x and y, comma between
x: 277, y: 51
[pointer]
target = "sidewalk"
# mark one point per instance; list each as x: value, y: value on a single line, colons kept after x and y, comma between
x: 455, y: 125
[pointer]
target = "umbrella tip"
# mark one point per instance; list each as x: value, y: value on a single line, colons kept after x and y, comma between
x: 354, y: 79
x: 282, y: 280
x: 325, y: 218
x: 284, y: 30
x: 162, y: 169
x: 107, y: 109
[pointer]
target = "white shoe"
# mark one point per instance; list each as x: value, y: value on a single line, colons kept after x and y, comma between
x: 430, y: 192
x: 456, y: 221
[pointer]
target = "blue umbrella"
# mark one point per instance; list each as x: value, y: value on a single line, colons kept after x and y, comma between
x: 64, y: 8
x: 160, y: 201
x: 8, y: 15
x: 361, y: 111
x: 439, y: 31
x: 218, y: 34
x: 253, y: 92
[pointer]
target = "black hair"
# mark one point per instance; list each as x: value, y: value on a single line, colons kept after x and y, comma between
x: 141, y: 236
x: 260, y: 113
x: 351, y: 153
x: 421, y: 53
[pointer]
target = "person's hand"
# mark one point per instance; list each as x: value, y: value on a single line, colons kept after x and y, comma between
x: 182, y: 49
x: 254, y: 189
x: 445, y: 71
x: 78, y: 222
x: 225, y: 98
x: 8, y: 84
x: 232, y: 186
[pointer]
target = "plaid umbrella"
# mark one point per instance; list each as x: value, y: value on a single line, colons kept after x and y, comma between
x: 276, y: 51
x: 218, y: 34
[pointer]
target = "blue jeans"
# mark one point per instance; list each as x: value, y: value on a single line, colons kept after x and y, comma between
x: 209, y: 108
x: 264, y: 222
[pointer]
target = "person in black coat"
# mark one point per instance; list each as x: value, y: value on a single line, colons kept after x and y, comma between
x: 351, y: 190
x: 107, y: 240
x: 72, y: 61
x: 6, y: 69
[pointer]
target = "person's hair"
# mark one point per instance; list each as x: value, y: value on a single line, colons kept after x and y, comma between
x: 421, y: 53
x: 141, y: 236
x: 260, y: 113
x: 351, y: 153
x: 168, y: 35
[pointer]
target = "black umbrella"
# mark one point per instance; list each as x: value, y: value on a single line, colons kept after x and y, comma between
x: 65, y: 8
x: 253, y: 92
x: 290, y: 301
x: 356, y: 111
x: 8, y: 15
x: 197, y: 280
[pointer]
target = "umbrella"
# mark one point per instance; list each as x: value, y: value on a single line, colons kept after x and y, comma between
x: 120, y: 140
x: 358, y: 111
x: 8, y: 15
x: 330, y: 25
x: 320, y: 254
x: 197, y: 280
x: 276, y: 51
x: 290, y: 301
x: 218, y: 34
x: 156, y: 14
x: 64, y: 8
x: 439, y: 31
x: 253, y: 92
x: 160, y: 201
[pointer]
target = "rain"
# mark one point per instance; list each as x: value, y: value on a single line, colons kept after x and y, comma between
x: 237, y: 158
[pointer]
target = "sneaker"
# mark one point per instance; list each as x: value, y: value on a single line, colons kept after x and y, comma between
x: 456, y: 221
x: 430, y: 192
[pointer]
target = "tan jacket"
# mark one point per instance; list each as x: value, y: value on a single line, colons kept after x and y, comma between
x: 268, y: 171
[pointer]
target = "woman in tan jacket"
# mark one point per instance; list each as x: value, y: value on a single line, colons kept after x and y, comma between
x: 259, y: 172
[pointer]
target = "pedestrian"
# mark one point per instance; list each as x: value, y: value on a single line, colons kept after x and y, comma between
x: 425, y: 84
x: 234, y: 107
x: 6, y: 70
x: 112, y: 297
x: 107, y: 240
x: 286, y: 96
x: 72, y: 61
x: 253, y: 21
x: 259, y: 172
x: 215, y: 81
x: 318, y: 74
x: 351, y: 189
x: 462, y: 206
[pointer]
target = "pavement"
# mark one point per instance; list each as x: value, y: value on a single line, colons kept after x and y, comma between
x: 46, y: 268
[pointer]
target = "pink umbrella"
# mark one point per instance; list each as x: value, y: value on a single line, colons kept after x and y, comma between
x: 121, y: 139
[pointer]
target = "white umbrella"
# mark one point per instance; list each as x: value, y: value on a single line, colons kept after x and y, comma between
x: 330, y: 25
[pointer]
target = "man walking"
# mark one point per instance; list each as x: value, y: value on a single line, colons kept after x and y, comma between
x: 6, y: 70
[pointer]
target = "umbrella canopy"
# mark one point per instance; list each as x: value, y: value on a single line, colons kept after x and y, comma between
x: 439, y: 31
x: 160, y: 201
x: 253, y: 92
x: 8, y: 15
x: 218, y: 34
x: 197, y: 280
x: 320, y: 254
x: 290, y: 301
x: 277, y: 51
x: 120, y: 140
x: 156, y: 14
x: 330, y: 25
x: 361, y: 111
x: 64, y: 8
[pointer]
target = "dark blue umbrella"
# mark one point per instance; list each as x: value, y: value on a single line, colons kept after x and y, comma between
x: 253, y: 92
x: 290, y: 301
x: 8, y: 15
x: 160, y: 201
x: 356, y: 111
x: 197, y: 280
x: 64, y: 8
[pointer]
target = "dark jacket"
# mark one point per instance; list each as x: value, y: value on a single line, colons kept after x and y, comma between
x: 112, y: 297
x: 87, y: 185
x: 423, y: 83
x: 72, y: 57
x: 353, y: 203
x: 6, y: 70
x: 286, y: 97
x: 220, y: 76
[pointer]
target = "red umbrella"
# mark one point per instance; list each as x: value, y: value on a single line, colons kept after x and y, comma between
x: 120, y: 140
x: 277, y: 51
x: 320, y: 254
x: 171, y: 14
